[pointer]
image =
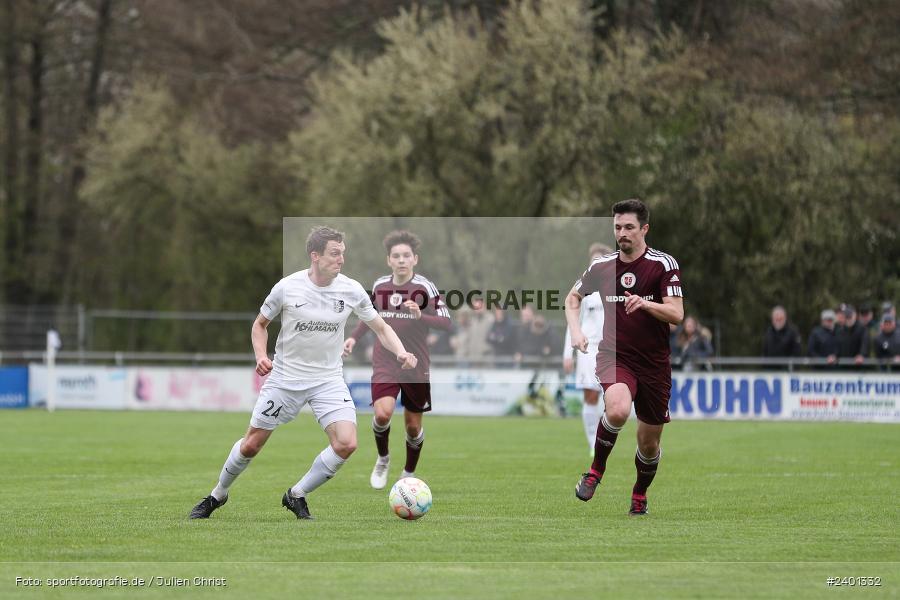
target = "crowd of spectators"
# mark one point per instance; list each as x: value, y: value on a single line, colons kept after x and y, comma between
x: 842, y: 333
x: 479, y: 336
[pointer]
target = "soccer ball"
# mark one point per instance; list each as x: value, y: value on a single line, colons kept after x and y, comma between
x: 410, y: 498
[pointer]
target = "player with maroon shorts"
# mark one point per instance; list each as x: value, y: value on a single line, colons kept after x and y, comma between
x: 412, y: 305
x: 641, y: 292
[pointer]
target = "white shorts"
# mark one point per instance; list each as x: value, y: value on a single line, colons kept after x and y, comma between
x: 586, y: 369
x: 330, y: 401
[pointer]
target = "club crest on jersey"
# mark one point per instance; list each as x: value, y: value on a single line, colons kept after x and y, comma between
x: 628, y: 280
x: 395, y: 299
x: 338, y: 306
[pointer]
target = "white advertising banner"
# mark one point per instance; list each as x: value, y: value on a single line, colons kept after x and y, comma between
x: 850, y: 397
x: 832, y: 396
x: 475, y: 392
x: 187, y: 388
x: 827, y: 396
x: 79, y: 386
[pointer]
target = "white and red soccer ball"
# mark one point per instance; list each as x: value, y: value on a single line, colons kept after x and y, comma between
x: 410, y: 498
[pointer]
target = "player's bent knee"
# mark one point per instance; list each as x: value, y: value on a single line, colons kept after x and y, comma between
x: 617, y: 414
x: 253, y: 442
x: 344, y: 448
x: 384, y: 410
x: 250, y: 448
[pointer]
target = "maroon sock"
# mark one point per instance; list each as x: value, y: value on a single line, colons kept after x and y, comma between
x: 413, y: 450
x: 381, y: 438
x: 606, y: 439
x: 646, y: 471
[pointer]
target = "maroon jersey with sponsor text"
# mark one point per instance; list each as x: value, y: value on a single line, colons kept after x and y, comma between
x: 388, y: 300
x: 639, y: 340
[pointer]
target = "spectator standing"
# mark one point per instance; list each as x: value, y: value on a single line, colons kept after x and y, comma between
x: 538, y: 340
x: 781, y: 338
x: 869, y: 322
x: 887, y: 343
x: 851, y: 337
x: 502, y: 334
x: 439, y: 342
x: 470, y: 342
x: 823, y: 340
x: 840, y: 316
x: 694, y: 343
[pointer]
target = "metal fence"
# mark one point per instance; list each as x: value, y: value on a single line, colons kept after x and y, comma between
x: 733, y: 363
x: 119, y: 337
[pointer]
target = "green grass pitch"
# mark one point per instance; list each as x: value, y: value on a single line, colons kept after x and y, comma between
x: 738, y: 510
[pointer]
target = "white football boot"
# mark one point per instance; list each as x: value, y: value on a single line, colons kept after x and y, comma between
x: 380, y: 473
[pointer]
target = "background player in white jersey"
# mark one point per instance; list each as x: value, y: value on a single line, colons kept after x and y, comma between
x: 585, y: 364
x: 314, y: 305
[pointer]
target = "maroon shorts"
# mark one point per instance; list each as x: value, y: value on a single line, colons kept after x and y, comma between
x: 415, y: 397
x: 650, y: 389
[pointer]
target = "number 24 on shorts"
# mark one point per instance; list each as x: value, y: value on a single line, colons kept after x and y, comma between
x: 270, y: 407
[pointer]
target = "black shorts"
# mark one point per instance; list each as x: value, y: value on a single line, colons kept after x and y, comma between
x: 415, y: 397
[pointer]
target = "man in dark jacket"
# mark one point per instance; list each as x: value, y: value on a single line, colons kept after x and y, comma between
x: 822, y: 340
x: 852, y: 338
x: 781, y: 338
x: 869, y: 322
x: 887, y: 342
x: 502, y: 334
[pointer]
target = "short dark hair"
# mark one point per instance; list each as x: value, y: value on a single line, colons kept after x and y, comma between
x: 633, y: 205
x: 402, y: 236
x: 320, y: 236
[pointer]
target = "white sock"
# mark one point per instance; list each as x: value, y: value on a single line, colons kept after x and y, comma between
x: 234, y: 466
x: 406, y: 473
x: 383, y: 460
x: 323, y: 468
x: 590, y: 415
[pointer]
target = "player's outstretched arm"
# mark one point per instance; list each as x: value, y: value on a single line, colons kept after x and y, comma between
x: 388, y: 338
x: 573, y: 318
x: 259, y: 337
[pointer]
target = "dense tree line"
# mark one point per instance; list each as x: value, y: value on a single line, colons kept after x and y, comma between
x: 150, y: 149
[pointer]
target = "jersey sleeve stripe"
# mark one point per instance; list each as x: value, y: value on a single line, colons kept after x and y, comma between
x: 659, y: 257
x: 668, y: 260
x: 422, y: 280
x: 665, y: 258
x: 379, y: 281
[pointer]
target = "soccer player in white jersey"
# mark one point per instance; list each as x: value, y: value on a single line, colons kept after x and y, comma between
x: 314, y: 305
x: 585, y: 364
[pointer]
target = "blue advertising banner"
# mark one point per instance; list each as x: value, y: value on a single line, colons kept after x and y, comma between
x: 13, y: 387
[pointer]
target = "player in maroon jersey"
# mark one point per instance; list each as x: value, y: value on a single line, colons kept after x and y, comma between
x: 412, y: 305
x: 641, y: 292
